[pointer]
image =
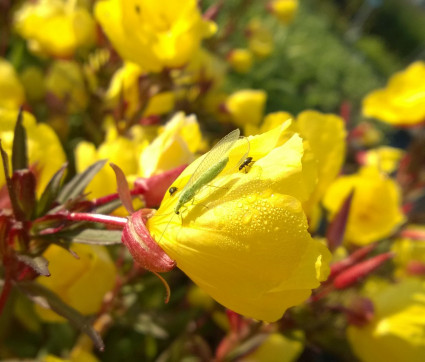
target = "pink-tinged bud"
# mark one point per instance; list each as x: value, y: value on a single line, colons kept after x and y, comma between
x: 5, y: 225
x: 235, y: 320
x: 23, y: 184
x: 144, y: 249
x: 361, y: 312
x: 212, y: 12
x: 414, y: 233
x: 154, y: 187
x: 352, y: 259
x: 352, y: 275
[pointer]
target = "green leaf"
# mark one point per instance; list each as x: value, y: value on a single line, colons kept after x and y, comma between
x: 48, y: 299
x: 76, y: 186
x: 96, y: 237
x: 108, y: 207
x: 51, y: 191
x: 38, y: 263
x: 19, y: 148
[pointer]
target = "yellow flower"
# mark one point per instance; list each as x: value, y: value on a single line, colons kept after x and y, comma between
x: 260, y: 39
x: 154, y: 35
x: 81, y: 283
x: 175, y: 146
x: 375, y: 208
x: 12, y: 94
x: 123, y: 151
x: 42, y: 144
x: 240, y: 60
x: 325, y: 134
x: 65, y: 81
x: 408, y: 252
x: 397, y: 330
x: 245, y: 240
x: 385, y: 158
x: 284, y: 10
x: 125, y: 84
x: 277, y: 348
x: 246, y: 106
x: 402, y: 102
x: 270, y: 121
x: 55, y: 27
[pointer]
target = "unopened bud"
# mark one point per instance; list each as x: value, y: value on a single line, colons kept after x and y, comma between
x: 23, y: 184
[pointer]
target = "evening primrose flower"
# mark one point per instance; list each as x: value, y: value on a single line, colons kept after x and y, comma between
x: 125, y: 85
x: 284, y: 10
x: 174, y: 146
x: 375, y: 208
x: 402, y: 102
x: 154, y: 35
x: 246, y: 106
x: 260, y: 39
x: 385, y: 158
x: 245, y: 240
x: 325, y: 134
x: 12, y: 94
x: 397, y: 330
x: 240, y: 60
x: 55, y: 27
x: 42, y: 144
x: 81, y: 283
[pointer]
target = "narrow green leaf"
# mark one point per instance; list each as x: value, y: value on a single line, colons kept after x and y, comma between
x: 19, y: 148
x: 96, y: 237
x: 76, y: 186
x: 48, y: 299
x: 38, y: 263
x: 51, y: 191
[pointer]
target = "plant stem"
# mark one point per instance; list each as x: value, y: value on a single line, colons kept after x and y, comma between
x: 103, y: 219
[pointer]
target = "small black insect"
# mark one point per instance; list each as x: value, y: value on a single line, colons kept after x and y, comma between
x: 245, y: 164
x: 172, y: 190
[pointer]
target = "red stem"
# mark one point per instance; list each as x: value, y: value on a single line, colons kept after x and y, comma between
x: 103, y: 219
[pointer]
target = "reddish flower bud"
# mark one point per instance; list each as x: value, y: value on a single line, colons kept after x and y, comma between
x: 361, y: 312
x: 144, y: 249
x: 153, y: 188
x: 357, y: 272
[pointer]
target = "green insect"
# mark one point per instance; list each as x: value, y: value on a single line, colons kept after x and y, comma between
x: 210, y: 167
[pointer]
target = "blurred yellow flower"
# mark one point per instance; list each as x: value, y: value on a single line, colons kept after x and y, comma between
x: 240, y: 60
x: 260, y: 39
x: 408, y: 253
x: 326, y: 135
x: 125, y: 86
x: 277, y: 348
x: 42, y: 144
x: 384, y: 158
x: 12, y: 94
x: 284, y: 10
x: 154, y: 35
x: 245, y: 240
x: 81, y: 283
x: 375, y: 209
x: 174, y: 146
x: 397, y: 330
x: 65, y: 81
x: 246, y: 106
x: 402, y: 102
x: 55, y: 27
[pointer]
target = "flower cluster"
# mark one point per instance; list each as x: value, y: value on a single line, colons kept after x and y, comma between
x: 233, y: 158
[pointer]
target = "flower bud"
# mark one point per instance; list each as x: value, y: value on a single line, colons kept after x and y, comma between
x: 145, y: 251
